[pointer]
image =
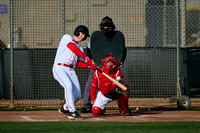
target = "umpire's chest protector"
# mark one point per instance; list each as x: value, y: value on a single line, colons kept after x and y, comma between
x: 101, y: 46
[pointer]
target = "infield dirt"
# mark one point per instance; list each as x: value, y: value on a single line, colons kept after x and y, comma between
x: 110, y: 115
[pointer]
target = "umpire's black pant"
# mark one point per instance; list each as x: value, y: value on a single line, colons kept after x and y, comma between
x: 86, y: 96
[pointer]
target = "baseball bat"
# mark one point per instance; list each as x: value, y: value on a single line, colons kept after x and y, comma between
x: 113, y: 80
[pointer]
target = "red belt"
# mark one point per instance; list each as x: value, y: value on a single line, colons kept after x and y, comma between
x: 71, y: 66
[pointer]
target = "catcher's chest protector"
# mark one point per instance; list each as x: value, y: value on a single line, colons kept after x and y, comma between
x: 102, y: 46
x: 104, y: 82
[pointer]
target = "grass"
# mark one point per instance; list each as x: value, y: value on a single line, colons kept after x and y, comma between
x: 99, y: 127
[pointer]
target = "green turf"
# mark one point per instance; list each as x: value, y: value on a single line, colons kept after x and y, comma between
x: 99, y: 127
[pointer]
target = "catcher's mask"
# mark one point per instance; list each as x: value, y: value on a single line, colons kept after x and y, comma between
x: 107, y: 22
x: 110, y: 63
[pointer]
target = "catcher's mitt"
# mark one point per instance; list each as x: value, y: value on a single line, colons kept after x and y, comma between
x: 113, y: 94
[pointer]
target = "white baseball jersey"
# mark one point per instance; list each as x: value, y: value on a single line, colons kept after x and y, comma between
x: 64, y: 54
x: 66, y: 76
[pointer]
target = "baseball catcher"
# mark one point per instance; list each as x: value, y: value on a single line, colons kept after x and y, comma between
x: 107, y: 90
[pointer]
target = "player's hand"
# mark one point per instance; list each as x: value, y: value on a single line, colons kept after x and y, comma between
x: 93, y: 61
x: 121, y: 64
x: 92, y: 102
x: 93, y: 67
x: 88, y: 61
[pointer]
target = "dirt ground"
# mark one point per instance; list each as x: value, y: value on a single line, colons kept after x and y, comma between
x: 110, y: 115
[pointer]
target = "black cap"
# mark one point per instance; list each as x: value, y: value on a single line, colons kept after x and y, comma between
x: 83, y: 29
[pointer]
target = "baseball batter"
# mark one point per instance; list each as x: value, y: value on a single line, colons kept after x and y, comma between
x: 69, y: 55
x: 105, y: 86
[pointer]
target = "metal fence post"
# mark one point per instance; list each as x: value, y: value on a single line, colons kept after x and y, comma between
x: 178, y: 46
x: 11, y: 55
x: 62, y: 17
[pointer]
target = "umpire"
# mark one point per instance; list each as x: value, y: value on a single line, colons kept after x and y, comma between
x: 102, y: 43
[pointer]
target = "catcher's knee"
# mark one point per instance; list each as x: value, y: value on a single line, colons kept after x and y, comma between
x: 123, y: 99
x: 126, y: 92
x: 97, y: 111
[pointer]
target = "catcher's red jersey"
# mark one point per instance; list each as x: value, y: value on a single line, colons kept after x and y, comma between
x: 103, y: 83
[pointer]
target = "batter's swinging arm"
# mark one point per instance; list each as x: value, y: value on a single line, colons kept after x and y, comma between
x: 113, y: 80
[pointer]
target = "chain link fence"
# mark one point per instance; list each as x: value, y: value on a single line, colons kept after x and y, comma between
x: 159, y: 35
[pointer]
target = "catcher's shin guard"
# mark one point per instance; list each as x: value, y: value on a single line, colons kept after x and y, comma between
x: 97, y: 111
x: 123, y: 99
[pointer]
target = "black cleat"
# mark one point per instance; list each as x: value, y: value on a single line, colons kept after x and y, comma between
x: 85, y: 110
x: 61, y: 110
x: 126, y: 112
x: 75, y: 115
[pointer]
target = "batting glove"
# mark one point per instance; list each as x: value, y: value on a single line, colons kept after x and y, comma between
x: 93, y: 67
x: 88, y: 61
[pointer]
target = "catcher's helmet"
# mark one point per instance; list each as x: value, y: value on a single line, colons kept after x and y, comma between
x: 107, y: 22
x: 110, y: 67
x: 83, y: 29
